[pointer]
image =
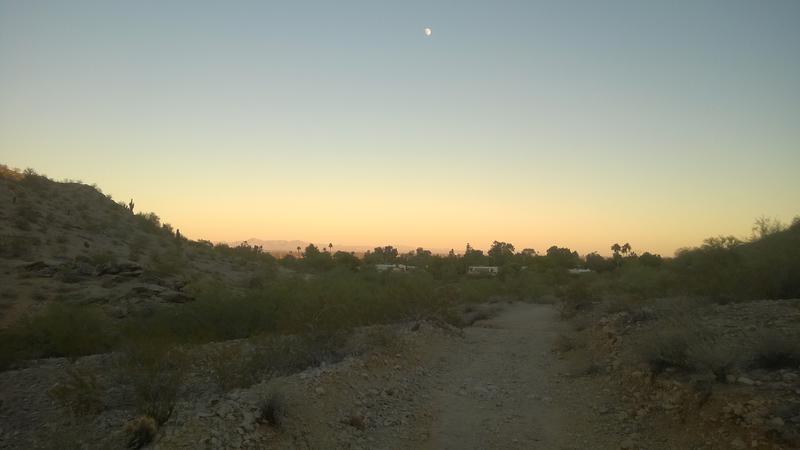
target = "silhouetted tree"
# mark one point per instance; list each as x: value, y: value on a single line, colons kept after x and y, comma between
x: 598, y: 263
x: 650, y: 260
x: 345, y: 259
x: 765, y: 226
x: 312, y: 251
x: 562, y: 257
x: 500, y: 252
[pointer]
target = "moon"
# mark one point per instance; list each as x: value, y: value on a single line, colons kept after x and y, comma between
x: 427, y: 31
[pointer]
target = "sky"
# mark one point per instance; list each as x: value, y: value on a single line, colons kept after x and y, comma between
x: 574, y: 123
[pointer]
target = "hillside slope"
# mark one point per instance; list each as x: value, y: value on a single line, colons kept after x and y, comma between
x: 68, y: 243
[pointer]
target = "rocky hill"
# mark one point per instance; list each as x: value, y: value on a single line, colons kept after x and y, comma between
x: 67, y: 242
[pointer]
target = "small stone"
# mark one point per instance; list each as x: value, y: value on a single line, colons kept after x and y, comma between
x: 738, y: 444
x: 746, y: 381
x: 776, y: 422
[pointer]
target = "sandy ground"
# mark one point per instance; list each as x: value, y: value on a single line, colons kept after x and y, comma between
x: 494, y: 391
x: 498, y: 385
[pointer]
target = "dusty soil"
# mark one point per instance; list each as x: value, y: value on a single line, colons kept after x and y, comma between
x: 506, y: 382
x: 498, y: 384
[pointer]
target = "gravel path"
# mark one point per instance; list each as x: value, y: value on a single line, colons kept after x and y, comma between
x: 494, y: 390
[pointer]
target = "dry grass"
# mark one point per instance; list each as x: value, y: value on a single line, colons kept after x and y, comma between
x: 273, y: 410
x: 155, y: 371
x: 80, y: 392
x: 774, y: 349
x: 141, y: 431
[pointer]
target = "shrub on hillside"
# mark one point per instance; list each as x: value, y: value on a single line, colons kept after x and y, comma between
x: 18, y: 246
x: 35, y: 181
x: 714, y: 356
x: 775, y: 349
x: 141, y: 431
x: 58, y: 331
x: 155, y: 370
x: 666, y: 349
x: 170, y: 262
x: 233, y: 368
x: 80, y: 392
x: 26, y: 216
x: 149, y: 222
x: 273, y: 409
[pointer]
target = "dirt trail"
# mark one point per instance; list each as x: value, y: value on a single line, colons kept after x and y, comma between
x: 495, y: 389
x: 498, y: 385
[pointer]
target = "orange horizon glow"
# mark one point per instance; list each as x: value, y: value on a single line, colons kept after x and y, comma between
x: 656, y: 124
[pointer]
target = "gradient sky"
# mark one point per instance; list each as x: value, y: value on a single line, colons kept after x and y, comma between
x: 539, y: 123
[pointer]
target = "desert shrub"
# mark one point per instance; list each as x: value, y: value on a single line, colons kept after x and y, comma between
x: 155, y: 370
x: 382, y: 337
x: 642, y: 281
x: 683, y: 342
x: 616, y: 304
x: 775, y: 350
x: 576, y: 296
x: 141, y: 431
x: 138, y: 246
x: 563, y: 343
x: 17, y: 246
x: 80, y: 392
x: 232, y: 368
x: 273, y: 409
x: 635, y: 308
x: 26, y: 215
x: 149, y: 223
x: 35, y: 181
x: 318, y: 347
x: 170, y: 262
x: 664, y: 349
x: 103, y: 257
x: 714, y: 356
x: 59, y: 330
x: 38, y: 295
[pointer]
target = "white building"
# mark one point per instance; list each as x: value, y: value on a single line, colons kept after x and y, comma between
x: 579, y: 271
x: 394, y: 267
x: 483, y: 270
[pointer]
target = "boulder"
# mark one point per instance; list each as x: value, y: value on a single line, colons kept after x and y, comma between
x: 38, y: 269
x: 123, y: 269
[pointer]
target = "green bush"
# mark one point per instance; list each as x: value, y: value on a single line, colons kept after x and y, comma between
x: 58, y: 331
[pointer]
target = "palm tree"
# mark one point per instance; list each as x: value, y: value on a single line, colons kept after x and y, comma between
x: 330, y: 247
x: 626, y: 248
x: 298, y: 251
x: 616, y: 248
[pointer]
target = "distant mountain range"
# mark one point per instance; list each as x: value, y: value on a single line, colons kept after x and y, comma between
x: 283, y: 246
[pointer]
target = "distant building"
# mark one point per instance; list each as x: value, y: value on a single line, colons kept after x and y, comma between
x: 394, y: 267
x: 579, y: 271
x: 483, y: 270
